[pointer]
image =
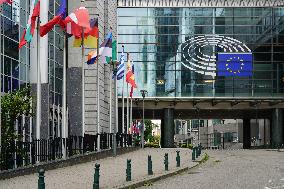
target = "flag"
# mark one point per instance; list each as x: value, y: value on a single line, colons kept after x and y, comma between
x: 5, y: 1
x: 129, y: 75
x: 78, y: 20
x: 114, y: 53
x: 58, y: 19
x: 105, y: 51
x: 106, y: 48
x: 121, y: 66
x: 29, y: 31
x: 92, y: 57
x: 235, y: 64
x: 132, y: 88
x: 90, y: 38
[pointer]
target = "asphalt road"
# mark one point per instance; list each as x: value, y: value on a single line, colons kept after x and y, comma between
x: 239, y: 169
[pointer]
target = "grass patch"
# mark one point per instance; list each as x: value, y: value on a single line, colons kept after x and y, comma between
x: 148, y: 184
x: 205, y: 158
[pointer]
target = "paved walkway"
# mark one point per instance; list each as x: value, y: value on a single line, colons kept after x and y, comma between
x: 112, y: 171
x: 229, y: 169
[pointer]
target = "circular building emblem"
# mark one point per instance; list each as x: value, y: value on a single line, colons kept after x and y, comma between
x: 199, y: 53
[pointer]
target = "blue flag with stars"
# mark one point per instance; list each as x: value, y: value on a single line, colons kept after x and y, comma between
x: 235, y: 64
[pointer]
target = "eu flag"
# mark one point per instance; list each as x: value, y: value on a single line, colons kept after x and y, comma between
x: 235, y: 64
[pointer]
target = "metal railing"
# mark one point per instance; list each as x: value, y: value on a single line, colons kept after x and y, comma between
x: 20, y: 154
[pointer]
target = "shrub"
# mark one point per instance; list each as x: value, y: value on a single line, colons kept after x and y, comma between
x: 152, y: 145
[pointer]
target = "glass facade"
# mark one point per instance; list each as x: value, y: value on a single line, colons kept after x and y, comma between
x: 55, y: 73
x: 177, y: 51
x: 15, y: 64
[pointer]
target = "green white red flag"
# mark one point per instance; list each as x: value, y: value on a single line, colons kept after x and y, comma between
x: 29, y: 31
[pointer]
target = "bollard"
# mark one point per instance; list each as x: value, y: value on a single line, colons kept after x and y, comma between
x: 196, y: 152
x: 41, y: 184
x: 150, y: 166
x: 193, y: 154
x: 166, y: 162
x: 178, y: 159
x: 198, y: 149
x: 128, y: 170
x: 96, y: 184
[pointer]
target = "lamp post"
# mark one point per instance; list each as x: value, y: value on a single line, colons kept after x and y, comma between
x: 143, y: 93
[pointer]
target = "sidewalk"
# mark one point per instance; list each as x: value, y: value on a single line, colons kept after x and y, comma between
x: 112, y: 171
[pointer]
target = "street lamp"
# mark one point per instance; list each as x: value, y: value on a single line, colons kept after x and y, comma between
x: 143, y: 93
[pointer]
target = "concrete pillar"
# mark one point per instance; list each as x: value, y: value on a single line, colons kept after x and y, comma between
x: 277, y: 127
x: 246, y: 134
x: 74, y: 99
x: 168, y: 129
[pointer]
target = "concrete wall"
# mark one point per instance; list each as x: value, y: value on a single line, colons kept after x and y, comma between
x: 107, y: 18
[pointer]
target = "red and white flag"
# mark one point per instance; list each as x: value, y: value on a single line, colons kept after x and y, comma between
x: 6, y: 1
x: 77, y: 21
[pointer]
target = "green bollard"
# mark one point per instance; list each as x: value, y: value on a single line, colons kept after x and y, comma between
x: 193, y: 154
x: 178, y: 159
x: 96, y: 184
x: 41, y: 184
x: 166, y: 162
x: 196, y: 152
x: 150, y: 166
x: 128, y: 170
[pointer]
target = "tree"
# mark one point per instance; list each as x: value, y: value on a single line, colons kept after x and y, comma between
x: 13, y: 105
x: 148, y: 129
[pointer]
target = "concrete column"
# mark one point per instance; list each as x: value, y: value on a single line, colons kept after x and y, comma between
x: 44, y: 133
x: 168, y: 129
x: 277, y: 127
x: 74, y: 99
x: 246, y: 134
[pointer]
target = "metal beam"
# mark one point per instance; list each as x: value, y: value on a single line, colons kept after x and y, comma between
x: 274, y: 103
x: 214, y: 103
x: 234, y: 103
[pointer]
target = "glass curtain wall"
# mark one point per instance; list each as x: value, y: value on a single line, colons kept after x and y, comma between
x: 15, y: 64
x: 175, y: 52
x: 55, y: 73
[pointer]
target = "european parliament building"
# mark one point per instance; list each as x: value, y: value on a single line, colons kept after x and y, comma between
x: 207, y: 59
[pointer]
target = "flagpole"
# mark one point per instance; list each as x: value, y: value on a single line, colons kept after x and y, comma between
x: 110, y: 97
x: 123, y: 81
x: 127, y: 105
x: 131, y: 121
x: 38, y: 107
x: 98, y: 98
x: 115, y: 109
x: 0, y: 85
x: 83, y: 83
x: 127, y: 90
x: 64, y: 105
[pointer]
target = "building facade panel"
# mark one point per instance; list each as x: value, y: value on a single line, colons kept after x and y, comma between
x: 176, y: 50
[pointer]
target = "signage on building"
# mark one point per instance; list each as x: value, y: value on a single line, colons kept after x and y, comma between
x: 224, y: 55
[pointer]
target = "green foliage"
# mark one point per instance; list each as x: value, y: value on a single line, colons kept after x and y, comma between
x: 152, y: 141
x: 152, y: 145
x: 148, y: 130
x: 13, y: 105
x: 190, y: 146
x: 205, y: 158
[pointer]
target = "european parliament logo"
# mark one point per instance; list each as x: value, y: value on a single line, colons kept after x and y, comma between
x: 235, y: 64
